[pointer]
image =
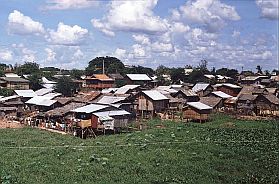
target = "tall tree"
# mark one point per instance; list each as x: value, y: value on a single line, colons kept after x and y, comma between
x: 111, y: 65
x: 28, y: 68
x: 35, y: 81
x: 259, y: 69
x: 66, y: 86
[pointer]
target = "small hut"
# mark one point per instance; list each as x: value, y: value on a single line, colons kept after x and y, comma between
x: 202, y: 89
x: 197, y: 111
x: 267, y: 105
x: 214, y: 102
x: 151, y: 102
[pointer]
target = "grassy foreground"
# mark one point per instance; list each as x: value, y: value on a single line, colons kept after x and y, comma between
x: 222, y: 151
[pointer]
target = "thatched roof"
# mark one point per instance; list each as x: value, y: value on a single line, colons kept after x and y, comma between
x: 272, y: 98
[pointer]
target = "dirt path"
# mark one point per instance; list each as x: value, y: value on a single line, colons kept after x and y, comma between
x: 10, y: 124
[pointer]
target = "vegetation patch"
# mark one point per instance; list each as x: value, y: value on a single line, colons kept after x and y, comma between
x: 177, y: 153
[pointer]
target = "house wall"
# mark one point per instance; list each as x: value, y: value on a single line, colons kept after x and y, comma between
x: 195, y: 114
x: 14, y: 85
x: 229, y: 91
x: 146, y: 104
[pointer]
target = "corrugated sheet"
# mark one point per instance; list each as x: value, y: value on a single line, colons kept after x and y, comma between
x: 46, y: 81
x: 125, y: 89
x: 199, y: 105
x: 11, y: 75
x: 200, y: 87
x: 111, y: 99
x: 26, y: 93
x: 43, y: 91
x: 112, y: 113
x: 155, y: 95
x: 41, y: 101
x: 3, y: 99
x: 15, y: 79
x: 90, y: 108
x: 139, y: 77
x: 221, y: 94
x: 210, y: 101
x: 52, y: 95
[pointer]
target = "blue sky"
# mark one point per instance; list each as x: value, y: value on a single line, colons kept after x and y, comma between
x: 69, y: 33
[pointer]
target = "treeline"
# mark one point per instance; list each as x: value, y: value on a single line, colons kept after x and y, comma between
x: 110, y: 65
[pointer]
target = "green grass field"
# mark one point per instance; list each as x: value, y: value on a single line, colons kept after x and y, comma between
x: 222, y: 151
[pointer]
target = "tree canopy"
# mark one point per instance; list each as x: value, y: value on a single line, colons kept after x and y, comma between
x: 28, y: 68
x: 66, y: 86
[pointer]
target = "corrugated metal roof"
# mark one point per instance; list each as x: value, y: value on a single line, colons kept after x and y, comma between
x: 199, y: 105
x: 43, y: 91
x: 125, y: 89
x: 3, y: 99
x: 46, y: 81
x: 231, y: 85
x: 112, y: 113
x: 210, y: 101
x: 26, y: 93
x: 200, y: 86
x: 210, y: 76
x: 221, y: 94
x: 109, y: 90
x: 41, y: 101
x: 189, y: 92
x: 15, y: 79
x: 11, y: 75
x: 155, y: 95
x: 90, y: 108
x: 111, y: 99
x: 139, y: 77
x: 52, y: 95
x: 48, y: 86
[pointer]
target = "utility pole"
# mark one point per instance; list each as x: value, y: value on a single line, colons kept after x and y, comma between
x: 103, y: 66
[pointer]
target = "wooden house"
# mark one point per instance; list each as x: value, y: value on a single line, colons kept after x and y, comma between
x: 267, y: 104
x: 98, y: 82
x: 246, y: 104
x: 151, y: 102
x: 118, y: 78
x: 229, y: 89
x: 14, y: 83
x: 202, y: 89
x: 138, y: 79
x: 188, y: 95
x: 215, y: 102
x: 197, y: 111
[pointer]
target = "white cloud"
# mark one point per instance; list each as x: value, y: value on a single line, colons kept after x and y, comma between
x: 235, y: 34
x: 161, y: 47
x: 211, y: 13
x: 142, y: 39
x: 131, y: 16
x: 139, y: 51
x: 269, y: 8
x: 78, y: 54
x: 120, y: 53
x: 6, y: 55
x: 28, y: 55
x: 69, y: 4
x: 51, y: 55
x: 23, y: 25
x: 67, y: 35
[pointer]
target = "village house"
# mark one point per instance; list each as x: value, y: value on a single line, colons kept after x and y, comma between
x: 197, y: 111
x: 246, y: 104
x: 215, y: 102
x: 128, y: 89
x: 267, y: 105
x: 151, y: 102
x: 14, y: 83
x: 118, y: 78
x: 230, y: 89
x: 98, y: 82
x: 202, y: 89
x: 252, y: 80
x: 138, y: 79
x: 188, y: 95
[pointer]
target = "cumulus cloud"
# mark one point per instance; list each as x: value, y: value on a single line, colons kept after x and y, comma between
x: 67, y: 35
x: 20, y: 24
x: 131, y: 16
x: 269, y: 8
x: 120, y: 53
x: 211, y: 13
x: 69, y: 4
x: 51, y: 55
x: 6, y: 55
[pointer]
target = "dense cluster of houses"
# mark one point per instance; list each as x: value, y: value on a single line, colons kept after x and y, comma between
x: 102, y: 107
